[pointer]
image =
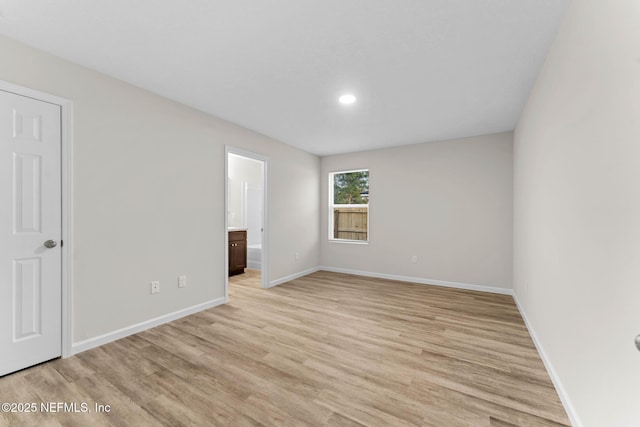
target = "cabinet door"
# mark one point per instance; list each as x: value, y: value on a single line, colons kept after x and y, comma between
x: 241, y: 249
x: 237, y: 257
x: 237, y: 252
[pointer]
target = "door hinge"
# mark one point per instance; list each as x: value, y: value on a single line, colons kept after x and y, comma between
x: 61, y: 243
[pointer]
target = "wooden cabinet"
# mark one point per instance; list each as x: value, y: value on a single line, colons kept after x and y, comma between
x: 237, y: 252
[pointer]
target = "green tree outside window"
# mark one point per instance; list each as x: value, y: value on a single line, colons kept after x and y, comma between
x: 351, y: 188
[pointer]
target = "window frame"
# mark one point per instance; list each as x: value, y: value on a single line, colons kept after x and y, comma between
x: 332, y: 206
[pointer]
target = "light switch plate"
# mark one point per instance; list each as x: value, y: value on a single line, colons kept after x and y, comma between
x: 155, y: 287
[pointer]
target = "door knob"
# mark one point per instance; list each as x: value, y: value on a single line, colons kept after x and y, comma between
x: 638, y: 342
x: 50, y: 244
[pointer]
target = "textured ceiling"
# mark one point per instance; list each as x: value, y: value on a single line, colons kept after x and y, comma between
x: 422, y: 70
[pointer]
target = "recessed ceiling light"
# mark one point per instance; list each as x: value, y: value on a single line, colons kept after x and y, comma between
x: 347, y: 99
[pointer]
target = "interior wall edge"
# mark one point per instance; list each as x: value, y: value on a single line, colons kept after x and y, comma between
x: 293, y: 276
x: 88, y: 344
x: 555, y: 379
x: 422, y: 281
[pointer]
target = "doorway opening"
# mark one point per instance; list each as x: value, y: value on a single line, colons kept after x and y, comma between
x: 246, y: 219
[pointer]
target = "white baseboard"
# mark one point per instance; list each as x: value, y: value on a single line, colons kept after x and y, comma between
x: 292, y: 276
x: 562, y: 393
x: 419, y: 280
x: 90, y: 343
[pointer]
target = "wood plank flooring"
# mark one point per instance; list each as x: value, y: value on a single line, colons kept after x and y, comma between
x: 327, y: 349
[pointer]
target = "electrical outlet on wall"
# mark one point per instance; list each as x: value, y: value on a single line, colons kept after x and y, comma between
x: 297, y: 255
x: 182, y: 281
x: 155, y: 287
x: 414, y: 259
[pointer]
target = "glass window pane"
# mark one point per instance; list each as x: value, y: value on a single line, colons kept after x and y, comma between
x: 351, y: 188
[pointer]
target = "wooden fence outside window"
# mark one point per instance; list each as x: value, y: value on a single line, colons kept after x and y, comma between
x: 350, y: 223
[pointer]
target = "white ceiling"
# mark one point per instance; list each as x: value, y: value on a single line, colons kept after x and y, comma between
x: 422, y: 70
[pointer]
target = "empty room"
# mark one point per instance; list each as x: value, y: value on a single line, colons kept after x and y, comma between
x: 319, y: 213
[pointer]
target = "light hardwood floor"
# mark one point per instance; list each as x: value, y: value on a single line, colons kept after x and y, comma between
x: 324, y: 350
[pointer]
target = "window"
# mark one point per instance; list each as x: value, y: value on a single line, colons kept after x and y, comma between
x: 349, y: 206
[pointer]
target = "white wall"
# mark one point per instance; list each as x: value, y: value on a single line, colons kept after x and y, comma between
x: 149, y: 195
x: 448, y: 202
x: 242, y: 170
x: 577, y: 210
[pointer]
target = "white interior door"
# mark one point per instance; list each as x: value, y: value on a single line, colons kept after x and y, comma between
x: 30, y: 232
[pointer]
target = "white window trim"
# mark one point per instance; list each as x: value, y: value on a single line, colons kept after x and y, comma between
x: 332, y: 206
